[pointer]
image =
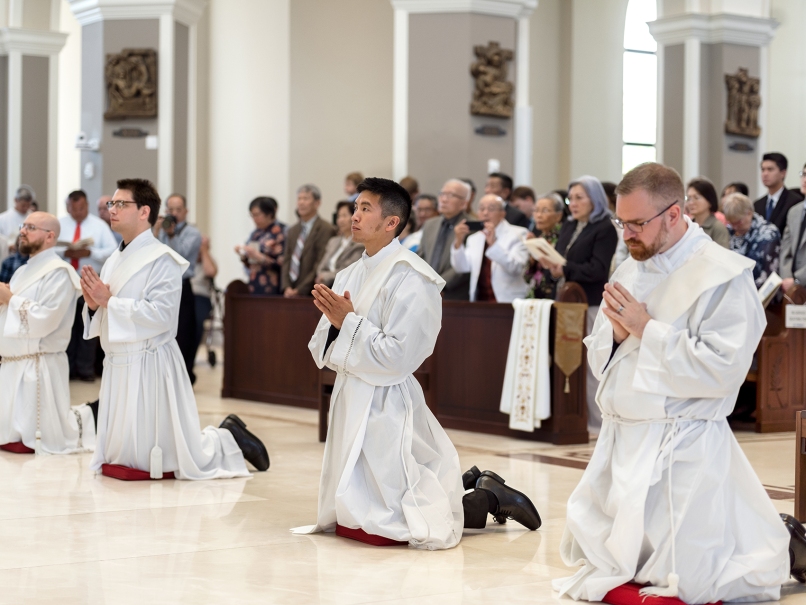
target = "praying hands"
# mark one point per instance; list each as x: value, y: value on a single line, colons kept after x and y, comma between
x: 626, y: 314
x: 334, y: 307
x: 96, y: 293
x: 5, y: 294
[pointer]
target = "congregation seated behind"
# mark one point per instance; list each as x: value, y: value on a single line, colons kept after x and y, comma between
x: 263, y: 252
x: 341, y: 251
x: 548, y: 217
x: 752, y: 236
x: 701, y: 205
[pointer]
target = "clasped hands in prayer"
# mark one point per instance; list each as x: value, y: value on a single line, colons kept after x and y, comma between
x: 5, y: 293
x: 334, y: 307
x: 96, y: 293
x: 627, y: 315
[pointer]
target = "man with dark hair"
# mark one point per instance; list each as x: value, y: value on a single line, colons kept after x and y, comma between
x: 148, y: 424
x: 390, y: 473
x: 412, y: 187
x: 500, y: 184
x: 776, y: 204
x: 184, y: 239
x: 92, y: 242
x: 668, y: 499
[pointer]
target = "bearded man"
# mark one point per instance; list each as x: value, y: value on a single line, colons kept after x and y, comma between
x: 669, y: 499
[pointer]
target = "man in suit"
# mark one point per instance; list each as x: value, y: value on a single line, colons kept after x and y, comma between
x: 500, y: 184
x: 305, y: 244
x: 435, y: 246
x: 792, y: 265
x: 495, y: 257
x: 776, y: 204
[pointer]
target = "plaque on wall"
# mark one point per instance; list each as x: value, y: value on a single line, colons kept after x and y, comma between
x: 492, y: 93
x: 743, y: 103
x: 131, y: 84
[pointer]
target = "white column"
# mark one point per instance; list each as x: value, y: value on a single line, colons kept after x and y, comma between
x: 193, y: 66
x: 400, y: 93
x: 764, y: 110
x: 53, y: 134
x: 15, y: 8
x: 659, y: 104
x: 691, y: 108
x: 14, y: 144
x: 165, y: 120
x: 523, y: 110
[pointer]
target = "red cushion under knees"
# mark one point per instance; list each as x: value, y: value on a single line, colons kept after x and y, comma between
x: 124, y: 473
x: 627, y: 594
x: 18, y: 447
x: 361, y: 536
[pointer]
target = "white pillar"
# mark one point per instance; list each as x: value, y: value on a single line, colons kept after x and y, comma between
x: 193, y: 102
x: 764, y: 110
x: 523, y: 110
x: 14, y: 144
x: 659, y: 105
x: 165, y: 120
x: 400, y: 95
x: 53, y: 134
x: 691, y: 108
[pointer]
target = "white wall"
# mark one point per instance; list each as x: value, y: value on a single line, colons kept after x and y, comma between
x: 248, y: 119
x: 68, y: 161
x: 786, y: 112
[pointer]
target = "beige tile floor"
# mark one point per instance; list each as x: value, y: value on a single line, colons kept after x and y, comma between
x: 69, y: 537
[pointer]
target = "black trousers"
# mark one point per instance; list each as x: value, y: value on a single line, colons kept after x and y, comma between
x: 477, y: 506
x: 186, y: 331
x: 203, y: 308
x: 80, y: 352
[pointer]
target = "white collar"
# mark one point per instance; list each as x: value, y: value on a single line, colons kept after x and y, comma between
x: 370, y: 262
x: 666, y: 262
x: 777, y: 195
x: 141, y: 241
x: 40, y: 258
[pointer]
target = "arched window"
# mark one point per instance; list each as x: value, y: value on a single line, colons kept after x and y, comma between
x: 640, y: 85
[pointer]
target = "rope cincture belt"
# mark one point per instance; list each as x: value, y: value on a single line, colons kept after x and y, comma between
x: 35, y: 357
x: 673, y: 580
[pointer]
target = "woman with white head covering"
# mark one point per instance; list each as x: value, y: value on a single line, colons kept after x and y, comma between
x: 587, y: 241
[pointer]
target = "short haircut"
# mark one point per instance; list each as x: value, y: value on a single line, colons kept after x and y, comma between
x: 410, y: 184
x: 180, y: 196
x: 75, y: 196
x: 559, y: 203
x: 737, y: 205
x: 429, y: 197
x: 610, y: 192
x: 663, y: 184
x: 354, y: 178
x: 464, y: 184
x: 395, y: 200
x: 523, y: 193
x: 506, y: 180
x: 144, y: 194
x: 738, y: 186
x: 267, y: 205
x: 470, y: 184
x: 312, y: 189
x: 345, y: 204
x: 779, y: 159
x: 706, y: 189
x: 25, y: 193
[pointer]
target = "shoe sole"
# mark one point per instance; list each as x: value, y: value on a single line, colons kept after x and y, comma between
x: 794, y: 524
x: 236, y: 420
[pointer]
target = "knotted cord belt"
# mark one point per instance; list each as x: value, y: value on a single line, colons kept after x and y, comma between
x: 35, y: 357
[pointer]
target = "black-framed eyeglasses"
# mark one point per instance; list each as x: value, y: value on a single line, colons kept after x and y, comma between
x: 639, y: 227
x: 119, y: 204
x: 32, y: 228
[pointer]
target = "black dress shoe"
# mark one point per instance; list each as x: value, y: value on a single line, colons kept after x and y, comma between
x: 470, y: 477
x: 512, y: 504
x: 251, y: 447
x: 797, y: 547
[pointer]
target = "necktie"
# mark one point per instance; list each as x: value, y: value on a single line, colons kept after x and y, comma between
x: 770, y: 207
x: 439, y: 246
x: 293, y: 272
x: 76, y: 237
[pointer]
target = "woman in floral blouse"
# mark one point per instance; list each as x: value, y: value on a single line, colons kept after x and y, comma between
x: 263, y: 252
x: 548, y: 216
x: 752, y: 236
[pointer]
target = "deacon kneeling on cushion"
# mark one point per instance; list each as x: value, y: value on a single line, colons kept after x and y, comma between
x: 669, y: 499
x: 37, y: 310
x: 390, y: 473
x: 147, y: 418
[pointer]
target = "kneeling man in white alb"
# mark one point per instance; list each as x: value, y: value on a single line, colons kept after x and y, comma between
x: 37, y: 310
x: 669, y: 499
x: 147, y: 417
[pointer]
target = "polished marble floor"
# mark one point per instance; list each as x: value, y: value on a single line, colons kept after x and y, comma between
x: 71, y: 537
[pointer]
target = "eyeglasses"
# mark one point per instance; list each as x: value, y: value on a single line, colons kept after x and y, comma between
x: 119, y: 204
x: 32, y: 228
x: 451, y: 193
x: 802, y: 173
x: 546, y: 211
x: 636, y: 227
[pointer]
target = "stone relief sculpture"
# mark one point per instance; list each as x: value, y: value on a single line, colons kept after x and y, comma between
x: 492, y: 95
x: 743, y: 103
x: 131, y: 84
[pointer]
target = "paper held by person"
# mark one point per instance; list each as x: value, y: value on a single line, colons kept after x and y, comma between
x: 540, y: 249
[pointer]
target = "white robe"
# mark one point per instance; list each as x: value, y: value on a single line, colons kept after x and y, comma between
x: 666, y: 399
x: 138, y: 335
x: 389, y: 467
x: 38, y: 319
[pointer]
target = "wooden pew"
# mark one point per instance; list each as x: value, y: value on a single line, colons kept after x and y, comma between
x: 800, y: 466
x: 780, y: 378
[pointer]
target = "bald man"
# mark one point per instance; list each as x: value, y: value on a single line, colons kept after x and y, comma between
x: 37, y: 309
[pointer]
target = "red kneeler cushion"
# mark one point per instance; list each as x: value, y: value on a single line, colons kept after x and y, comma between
x: 18, y: 447
x: 361, y: 536
x: 124, y: 473
x: 627, y: 594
